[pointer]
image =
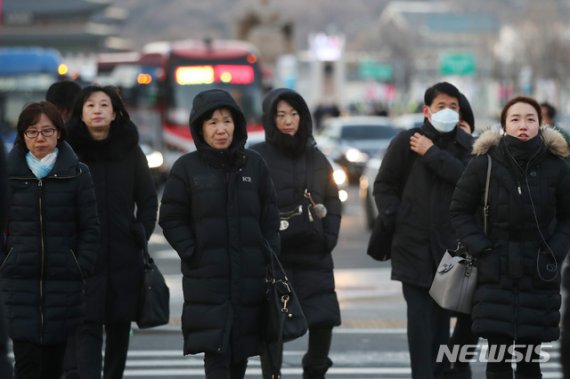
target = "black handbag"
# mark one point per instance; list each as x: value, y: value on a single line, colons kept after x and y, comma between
x: 154, y: 298
x: 300, y: 224
x: 284, y: 319
x: 380, y: 242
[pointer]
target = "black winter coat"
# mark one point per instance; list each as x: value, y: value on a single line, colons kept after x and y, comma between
x: 218, y: 212
x: 127, y: 204
x: 53, y: 237
x: 5, y: 364
x: 310, y: 267
x: 415, y: 191
x: 518, y: 289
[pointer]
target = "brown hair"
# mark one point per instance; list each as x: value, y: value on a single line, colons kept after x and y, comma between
x: 520, y: 99
x: 31, y: 115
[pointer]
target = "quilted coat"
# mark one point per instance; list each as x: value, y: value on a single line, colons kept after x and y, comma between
x: 218, y: 212
x: 519, y: 260
x: 51, y: 249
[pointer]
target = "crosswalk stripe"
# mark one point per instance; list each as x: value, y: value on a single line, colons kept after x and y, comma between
x: 171, y: 363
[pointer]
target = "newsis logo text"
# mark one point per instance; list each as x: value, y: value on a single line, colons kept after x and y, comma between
x: 494, y: 353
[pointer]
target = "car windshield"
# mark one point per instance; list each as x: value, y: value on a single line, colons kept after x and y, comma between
x: 365, y: 132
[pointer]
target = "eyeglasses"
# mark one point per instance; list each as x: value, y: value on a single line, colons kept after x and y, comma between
x: 33, y: 133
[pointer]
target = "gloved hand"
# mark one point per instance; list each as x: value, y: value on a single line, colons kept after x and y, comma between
x: 388, y: 218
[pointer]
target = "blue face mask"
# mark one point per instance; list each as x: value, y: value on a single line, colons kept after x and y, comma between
x: 41, y: 167
x: 445, y: 120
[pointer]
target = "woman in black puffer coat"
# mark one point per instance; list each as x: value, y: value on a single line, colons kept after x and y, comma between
x: 296, y: 164
x: 218, y: 212
x: 102, y: 135
x: 518, y: 291
x: 52, y: 242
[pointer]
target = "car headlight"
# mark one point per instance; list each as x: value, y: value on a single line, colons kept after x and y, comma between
x: 339, y: 176
x: 355, y: 156
x: 154, y: 159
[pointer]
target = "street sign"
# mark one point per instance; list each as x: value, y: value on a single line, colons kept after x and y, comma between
x: 374, y: 70
x: 457, y: 64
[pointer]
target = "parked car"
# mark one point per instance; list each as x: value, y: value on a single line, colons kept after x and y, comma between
x: 366, y: 185
x: 409, y: 120
x: 352, y: 141
x: 341, y: 180
x: 155, y: 160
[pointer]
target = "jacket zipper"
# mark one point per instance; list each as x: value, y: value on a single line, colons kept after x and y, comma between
x: 516, y: 313
x: 42, y: 242
x: 77, y: 264
x: 6, y: 259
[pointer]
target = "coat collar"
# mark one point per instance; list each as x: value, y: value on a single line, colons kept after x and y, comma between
x: 65, y: 164
x: 553, y: 140
x: 122, y: 139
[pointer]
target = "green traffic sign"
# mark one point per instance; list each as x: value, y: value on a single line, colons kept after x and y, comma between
x: 457, y: 64
x: 373, y: 70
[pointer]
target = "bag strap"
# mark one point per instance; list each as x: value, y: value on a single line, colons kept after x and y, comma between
x: 147, y: 260
x: 486, y: 203
x: 309, y: 166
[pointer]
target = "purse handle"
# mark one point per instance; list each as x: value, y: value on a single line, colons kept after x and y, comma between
x: 486, y: 203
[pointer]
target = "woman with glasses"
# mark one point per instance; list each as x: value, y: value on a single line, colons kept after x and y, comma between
x: 104, y: 137
x: 51, y: 246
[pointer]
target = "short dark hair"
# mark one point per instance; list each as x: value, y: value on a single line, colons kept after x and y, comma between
x: 121, y: 115
x: 550, y: 110
x: 439, y: 88
x: 520, y: 99
x: 62, y: 94
x: 31, y: 115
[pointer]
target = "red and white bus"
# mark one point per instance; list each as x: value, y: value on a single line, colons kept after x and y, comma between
x: 159, y: 84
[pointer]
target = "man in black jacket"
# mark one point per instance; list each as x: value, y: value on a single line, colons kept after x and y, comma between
x: 413, y: 191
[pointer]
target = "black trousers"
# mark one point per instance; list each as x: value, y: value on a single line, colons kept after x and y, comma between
x: 219, y: 366
x: 316, y: 361
x: 90, y: 343
x: 500, y: 363
x: 462, y: 335
x: 428, y: 329
x: 35, y: 361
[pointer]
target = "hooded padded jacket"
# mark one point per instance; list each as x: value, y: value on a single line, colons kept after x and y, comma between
x: 294, y: 166
x: 218, y: 212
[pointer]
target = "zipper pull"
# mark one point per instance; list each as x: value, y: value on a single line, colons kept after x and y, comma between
x: 519, y: 189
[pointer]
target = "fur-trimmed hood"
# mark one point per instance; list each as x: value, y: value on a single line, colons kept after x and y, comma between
x: 553, y: 140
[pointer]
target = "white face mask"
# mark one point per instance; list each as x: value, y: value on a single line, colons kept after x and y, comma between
x: 445, y: 120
